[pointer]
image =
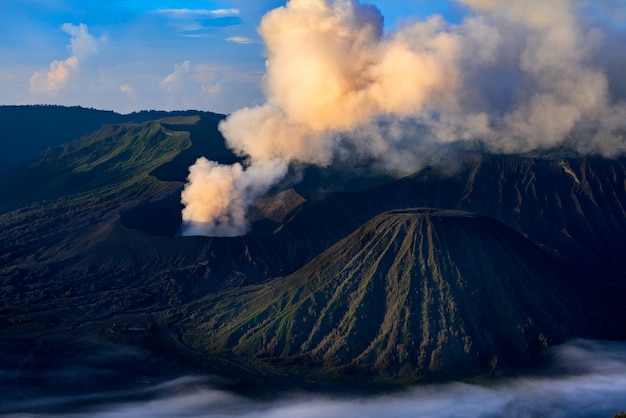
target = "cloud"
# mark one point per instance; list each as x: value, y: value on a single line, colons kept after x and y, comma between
x: 514, y: 75
x: 55, y: 78
x: 330, y: 71
x: 565, y: 90
x: 82, y: 44
x: 197, y: 13
x: 195, y: 20
x: 193, y: 83
x: 175, y: 78
x: 201, y: 86
x: 239, y: 40
x: 127, y: 89
x: 217, y: 196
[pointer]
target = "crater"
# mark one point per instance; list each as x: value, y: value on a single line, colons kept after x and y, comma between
x: 161, y: 218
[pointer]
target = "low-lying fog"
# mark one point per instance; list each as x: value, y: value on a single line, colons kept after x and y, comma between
x: 586, y: 379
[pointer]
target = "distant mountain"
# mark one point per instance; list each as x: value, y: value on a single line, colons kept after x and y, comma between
x: 27, y: 131
x: 411, y: 294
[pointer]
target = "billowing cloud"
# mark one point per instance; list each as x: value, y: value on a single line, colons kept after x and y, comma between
x: 51, y: 81
x: 564, y: 89
x: 514, y: 75
x: 82, y: 44
x: 217, y: 196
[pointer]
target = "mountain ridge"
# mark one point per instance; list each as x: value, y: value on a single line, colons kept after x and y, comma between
x: 29, y: 130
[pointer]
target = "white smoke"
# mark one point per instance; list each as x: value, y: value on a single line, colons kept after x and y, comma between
x: 216, y: 196
x: 566, y: 91
x: 515, y: 75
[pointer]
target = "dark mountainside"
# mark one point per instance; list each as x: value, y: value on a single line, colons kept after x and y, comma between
x: 88, y: 245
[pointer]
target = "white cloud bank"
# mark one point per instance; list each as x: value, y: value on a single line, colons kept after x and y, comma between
x: 587, y: 379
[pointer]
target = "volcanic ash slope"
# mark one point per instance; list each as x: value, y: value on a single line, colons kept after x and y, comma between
x: 412, y: 294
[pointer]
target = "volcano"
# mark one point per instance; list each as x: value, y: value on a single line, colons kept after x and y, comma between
x: 412, y: 294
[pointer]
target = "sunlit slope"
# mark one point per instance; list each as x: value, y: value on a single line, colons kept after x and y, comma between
x: 26, y: 131
x: 411, y: 294
x: 82, y: 184
x: 109, y: 158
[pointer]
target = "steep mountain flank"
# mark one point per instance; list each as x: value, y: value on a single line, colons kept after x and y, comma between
x: 411, y: 294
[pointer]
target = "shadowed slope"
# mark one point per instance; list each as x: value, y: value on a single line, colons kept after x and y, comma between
x: 411, y: 294
x: 573, y: 208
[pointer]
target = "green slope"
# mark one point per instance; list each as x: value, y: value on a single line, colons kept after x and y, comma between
x: 29, y: 130
x: 410, y: 295
x: 108, y: 159
x: 81, y: 185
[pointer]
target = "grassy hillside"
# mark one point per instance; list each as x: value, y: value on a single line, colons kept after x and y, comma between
x: 82, y: 184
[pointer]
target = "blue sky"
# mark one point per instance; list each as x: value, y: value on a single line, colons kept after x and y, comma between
x: 127, y: 55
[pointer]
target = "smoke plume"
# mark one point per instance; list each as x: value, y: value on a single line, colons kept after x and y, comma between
x: 216, y: 196
x: 514, y: 75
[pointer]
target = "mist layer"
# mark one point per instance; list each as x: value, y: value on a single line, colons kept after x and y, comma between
x: 586, y: 379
